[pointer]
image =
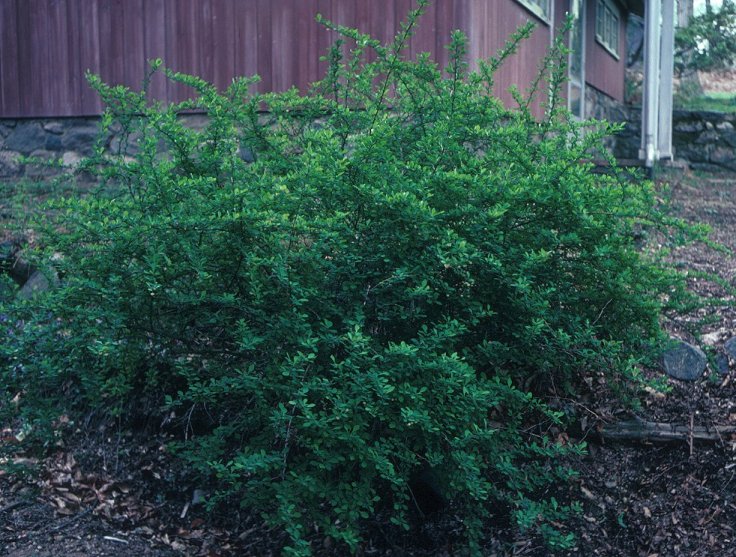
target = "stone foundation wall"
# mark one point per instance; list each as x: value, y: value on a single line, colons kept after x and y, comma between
x: 63, y: 139
x: 66, y: 140
x: 625, y: 144
x: 707, y: 140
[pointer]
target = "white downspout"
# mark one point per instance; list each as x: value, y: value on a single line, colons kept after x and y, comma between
x: 664, y: 134
x: 650, y: 103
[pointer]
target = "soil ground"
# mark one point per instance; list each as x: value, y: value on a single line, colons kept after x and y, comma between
x: 719, y: 82
x: 115, y: 493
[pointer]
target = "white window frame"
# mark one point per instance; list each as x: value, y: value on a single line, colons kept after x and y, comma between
x: 607, y: 26
x: 540, y: 8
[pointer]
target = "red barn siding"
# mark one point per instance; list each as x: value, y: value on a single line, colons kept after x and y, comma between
x: 9, y: 58
x: 602, y: 70
x: 46, y: 45
x: 490, y: 25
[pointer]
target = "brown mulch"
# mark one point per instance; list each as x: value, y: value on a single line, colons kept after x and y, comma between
x: 119, y: 493
x: 664, y: 500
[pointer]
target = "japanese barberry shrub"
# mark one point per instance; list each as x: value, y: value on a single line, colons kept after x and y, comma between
x: 341, y: 290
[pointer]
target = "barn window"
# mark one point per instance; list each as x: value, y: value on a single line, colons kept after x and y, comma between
x: 607, y: 18
x: 540, y: 8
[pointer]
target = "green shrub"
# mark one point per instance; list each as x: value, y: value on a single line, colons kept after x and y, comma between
x: 352, y: 288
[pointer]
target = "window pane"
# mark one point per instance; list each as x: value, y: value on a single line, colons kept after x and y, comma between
x: 607, y: 26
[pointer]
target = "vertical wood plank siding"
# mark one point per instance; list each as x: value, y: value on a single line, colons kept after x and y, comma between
x: 47, y: 45
x: 604, y: 71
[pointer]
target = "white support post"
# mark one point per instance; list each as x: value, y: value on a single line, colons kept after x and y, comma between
x: 664, y: 135
x: 650, y: 103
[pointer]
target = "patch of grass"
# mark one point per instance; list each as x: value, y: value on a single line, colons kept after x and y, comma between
x: 716, y: 101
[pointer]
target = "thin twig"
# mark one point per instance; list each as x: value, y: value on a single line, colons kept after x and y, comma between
x: 64, y: 523
x: 13, y: 506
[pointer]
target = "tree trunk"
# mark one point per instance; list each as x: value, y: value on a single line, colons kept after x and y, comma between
x: 684, y: 12
x: 689, y: 86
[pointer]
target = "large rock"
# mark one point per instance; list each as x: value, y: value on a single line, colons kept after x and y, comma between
x: 6, y: 128
x: 71, y: 160
x: 46, y: 165
x: 36, y: 284
x: 730, y: 348
x: 81, y: 139
x: 722, y: 366
x: 729, y: 138
x: 684, y: 361
x: 54, y: 127
x: 9, y: 164
x: 722, y: 155
x: 708, y: 136
x: 26, y: 138
x: 711, y: 339
x: 689, y: 127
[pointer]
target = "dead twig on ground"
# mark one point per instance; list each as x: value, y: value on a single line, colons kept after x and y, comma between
x: 655, y: 432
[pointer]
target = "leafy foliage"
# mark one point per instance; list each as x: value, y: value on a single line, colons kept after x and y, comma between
x: 709, y: 41
x: 353, y: 287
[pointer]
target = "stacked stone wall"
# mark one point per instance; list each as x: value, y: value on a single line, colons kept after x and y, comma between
x: 66, y: 141
x: 706, y: 140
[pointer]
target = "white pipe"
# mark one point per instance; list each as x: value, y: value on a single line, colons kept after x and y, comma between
x: 650, y: 104
x: 664, y: 133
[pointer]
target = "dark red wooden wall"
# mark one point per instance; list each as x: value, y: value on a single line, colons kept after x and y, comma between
x: 603, y: 70
x: 47, y: 45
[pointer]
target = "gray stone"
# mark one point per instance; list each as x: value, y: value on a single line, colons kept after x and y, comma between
x: 706, y: 167
x: 36, y: 284
x: 724, y: 126
x: 712, y: 338
x: 196, y: 122
x: 246, y: 154
x: 46, y: 165
x: 730, y: 138
x: 722, y: 154
x: 26, y: 138
x: 6, y: 129
x: 693, y: 152
x: 730, y: 165
x: 129, y: 145
x: 81, y: 139
x: 54, y: 127
x: 71, y: 159
x: 53, y: 142
x: 707, y: 137
x: 722, y: 364
x: 689, y: 127
x: 684, y: 361
x: 730, y: 348
x: 9, y: 164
